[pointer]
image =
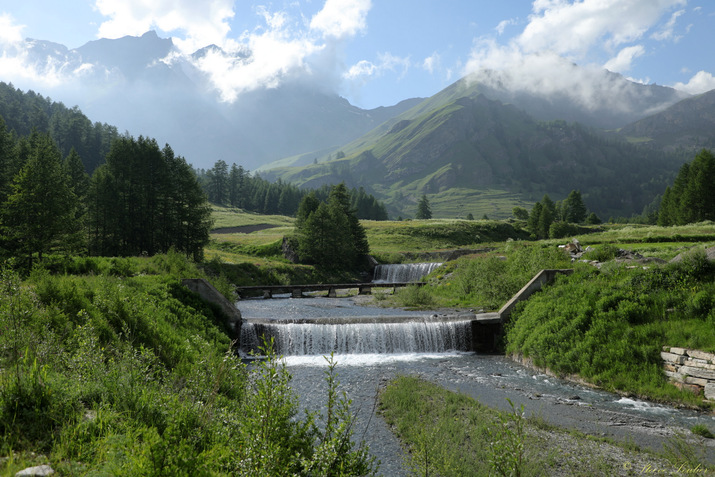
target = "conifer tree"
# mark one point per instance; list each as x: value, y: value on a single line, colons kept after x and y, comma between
x: 39, y: 215
x: 424, y: 211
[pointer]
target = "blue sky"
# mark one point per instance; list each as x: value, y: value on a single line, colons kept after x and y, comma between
x: 378, y: 52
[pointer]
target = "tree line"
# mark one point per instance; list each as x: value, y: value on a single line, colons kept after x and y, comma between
x: 69, y: 127
x: 328, y: 232
x: 549, y: 219
x: 142, y: 200
x: 691, y: 198
x: 236, y: 187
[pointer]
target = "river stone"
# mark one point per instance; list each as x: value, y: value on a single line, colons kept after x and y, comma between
x: 710, y: 391
x: 38, y: 471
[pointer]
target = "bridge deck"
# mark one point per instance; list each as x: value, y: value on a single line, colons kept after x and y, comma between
x: 297, y: 290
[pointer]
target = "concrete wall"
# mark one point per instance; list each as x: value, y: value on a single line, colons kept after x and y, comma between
x: 540, y: 279
x: 212, y: 295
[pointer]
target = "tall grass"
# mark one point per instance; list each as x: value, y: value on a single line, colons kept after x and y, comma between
x: 125, y: 372
x: 610, y: 326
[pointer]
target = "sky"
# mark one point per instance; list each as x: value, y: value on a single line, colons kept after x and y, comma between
x: 379, y: 52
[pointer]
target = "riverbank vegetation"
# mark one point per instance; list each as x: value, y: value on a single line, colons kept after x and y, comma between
x: 450, y: 434
x: 111, y: 366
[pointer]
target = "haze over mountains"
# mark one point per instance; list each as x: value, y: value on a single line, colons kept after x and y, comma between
x: 139, y: 85
x: 482, y: 132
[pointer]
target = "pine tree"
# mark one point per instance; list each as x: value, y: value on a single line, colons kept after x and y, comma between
x: 39, y: 215
x: 424, y: 211
x: 574, y: 209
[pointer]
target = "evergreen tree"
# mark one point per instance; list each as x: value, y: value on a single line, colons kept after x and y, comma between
x: 7, y: 160
x: 690, y: 199
x: 534, y: 216
x: 339, y: 198
x: 146, y: 200
x: 424, y: 211
x: 329, y: 233
x: 574, y: 209
x: 39, y: 215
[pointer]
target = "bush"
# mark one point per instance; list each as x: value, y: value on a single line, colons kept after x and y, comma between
x: 414, y: 296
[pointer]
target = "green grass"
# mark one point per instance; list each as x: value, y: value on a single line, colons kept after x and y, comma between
x: 112, y: 367
x: 609, y: 326
x: 233, y: 217
x: 451, y: 434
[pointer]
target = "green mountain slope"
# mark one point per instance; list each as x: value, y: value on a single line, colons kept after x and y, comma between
x: 685, y: 128
x: 475, y: 155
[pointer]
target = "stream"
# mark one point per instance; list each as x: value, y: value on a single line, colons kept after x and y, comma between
x: 490, y: 379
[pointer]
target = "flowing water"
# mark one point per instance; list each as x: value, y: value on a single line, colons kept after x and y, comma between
x: 403, y: 272
x: 372, y: 345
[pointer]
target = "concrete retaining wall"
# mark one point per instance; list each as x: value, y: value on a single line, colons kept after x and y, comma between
x: 534, y: 285
x: 212, y: 295
x: 690, y: 369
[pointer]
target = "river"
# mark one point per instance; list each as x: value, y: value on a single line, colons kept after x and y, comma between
x: 490, y: 379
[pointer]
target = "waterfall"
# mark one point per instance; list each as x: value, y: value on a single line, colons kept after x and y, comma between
x: 403, y: 272
x: 300, y: 339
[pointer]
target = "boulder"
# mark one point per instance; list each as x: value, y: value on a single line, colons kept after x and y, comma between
x: 37, y: 471
x: 710, y: 391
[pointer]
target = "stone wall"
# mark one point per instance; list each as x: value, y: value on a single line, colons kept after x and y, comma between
x: 690, y: 369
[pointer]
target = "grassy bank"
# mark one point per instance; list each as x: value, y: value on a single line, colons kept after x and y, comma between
x: 450, y: 434
x: 112, y: 367
x: 608, y: 326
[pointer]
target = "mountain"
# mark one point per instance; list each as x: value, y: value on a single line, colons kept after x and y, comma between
x: 684, y: 128
x: 476, y: 154
x: 141, y: 85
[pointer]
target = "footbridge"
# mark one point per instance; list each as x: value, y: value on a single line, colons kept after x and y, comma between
x: 296, y: 291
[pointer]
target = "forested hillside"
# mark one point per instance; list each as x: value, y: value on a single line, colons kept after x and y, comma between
x: 236, y: 187
x: 476, y: 144
x: 69, y: 127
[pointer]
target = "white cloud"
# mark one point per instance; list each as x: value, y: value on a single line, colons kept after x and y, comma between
x: 199, y: 23
x: 700, y: 83
x: 667, y: 32
x: 572, y: 29
x: 341, y: 18
x: 361, y: 69
x: 387, y: 62
x: 622, y: 62
x: 10, y: 32
x: 432, y: 62
x: 503, y: 24
x: 560, y: 33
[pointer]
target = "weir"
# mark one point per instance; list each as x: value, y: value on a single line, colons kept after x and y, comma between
x: 360, y: 335
x: 386, y: 334
x: 403, y: 272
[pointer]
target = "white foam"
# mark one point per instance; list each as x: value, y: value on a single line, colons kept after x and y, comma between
x: 373, y: 359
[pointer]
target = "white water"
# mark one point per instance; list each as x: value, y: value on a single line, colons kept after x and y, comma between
x: 309, y: 339
x: 403, y: 272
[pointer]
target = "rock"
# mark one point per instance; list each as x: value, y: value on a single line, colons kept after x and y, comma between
x: 710, y: 391
x: 678, y: 351
x: 694, y: 353
x: 672, y: 357
x: 698, y: 372
x: 38, y: 471
x: 693, y: 388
